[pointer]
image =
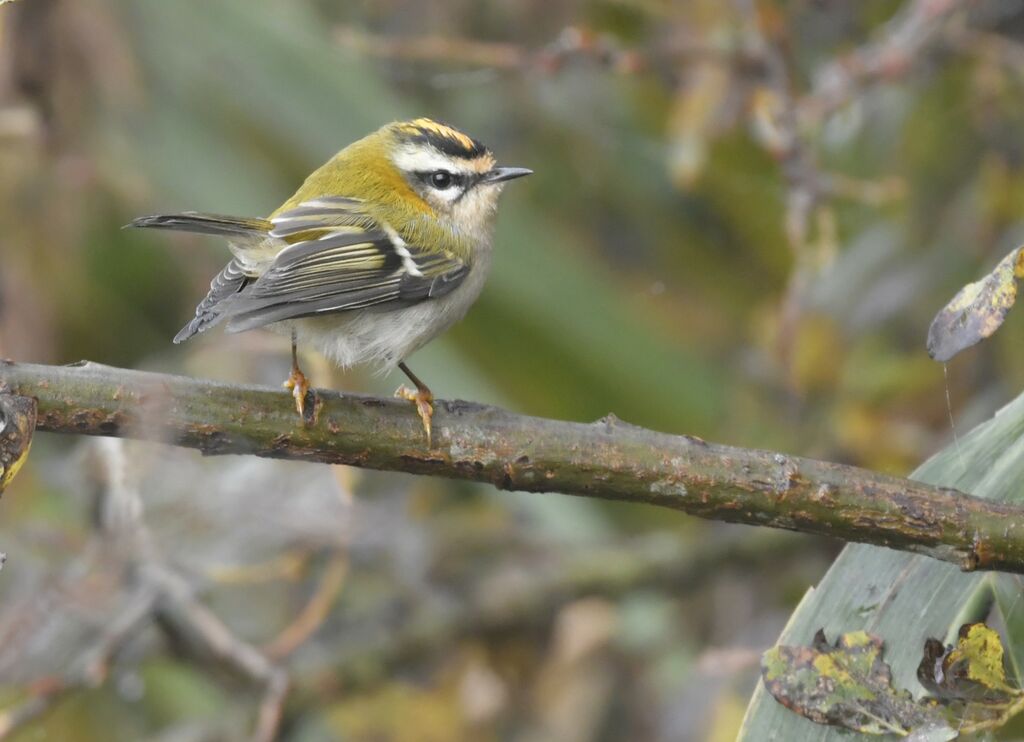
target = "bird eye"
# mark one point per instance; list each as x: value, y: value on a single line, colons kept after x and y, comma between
x: 441, y: 179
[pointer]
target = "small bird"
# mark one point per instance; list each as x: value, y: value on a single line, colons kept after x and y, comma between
x: 380, y: 250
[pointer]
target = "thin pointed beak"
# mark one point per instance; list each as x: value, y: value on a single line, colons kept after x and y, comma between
x: 501, y: 174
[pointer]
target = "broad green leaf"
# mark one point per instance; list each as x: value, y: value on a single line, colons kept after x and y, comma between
x: 1008, y: 591
x: 904, y: 598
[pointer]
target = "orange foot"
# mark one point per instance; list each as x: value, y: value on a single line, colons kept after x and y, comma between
x: 299, y: 387
x: 424, y: 400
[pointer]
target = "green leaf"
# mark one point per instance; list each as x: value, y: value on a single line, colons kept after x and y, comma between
x: 902, y: 597
x: 1008, y: 591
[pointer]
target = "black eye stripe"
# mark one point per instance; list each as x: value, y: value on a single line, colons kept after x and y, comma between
x: 442, y: 179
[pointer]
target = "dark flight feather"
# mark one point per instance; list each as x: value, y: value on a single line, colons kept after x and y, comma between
x: 338, y: 260
x: 229, y: 281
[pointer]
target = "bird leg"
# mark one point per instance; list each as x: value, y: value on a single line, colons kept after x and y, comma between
x: 423, y: 398
x: 297, y: 382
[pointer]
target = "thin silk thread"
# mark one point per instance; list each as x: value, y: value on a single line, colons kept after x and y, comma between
x: 952, y: 424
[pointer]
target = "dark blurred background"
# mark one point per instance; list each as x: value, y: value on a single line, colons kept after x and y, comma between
x: 743, y: 217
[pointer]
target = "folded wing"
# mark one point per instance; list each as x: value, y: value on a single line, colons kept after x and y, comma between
x: 338, y: 260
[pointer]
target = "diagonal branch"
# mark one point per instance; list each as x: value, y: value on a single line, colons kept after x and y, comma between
x: 607, y: 459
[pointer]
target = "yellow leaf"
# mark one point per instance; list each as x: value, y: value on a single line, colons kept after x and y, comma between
x: 972, y: 671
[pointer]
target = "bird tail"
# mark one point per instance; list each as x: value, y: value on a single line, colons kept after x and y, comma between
x: 192, y: 221
x: 246, y: 237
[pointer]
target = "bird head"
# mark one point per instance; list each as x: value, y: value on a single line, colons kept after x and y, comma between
x: 451, y: 172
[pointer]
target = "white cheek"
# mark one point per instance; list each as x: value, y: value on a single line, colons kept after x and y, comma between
x: 441, y: 201
x: 448, y: 195
x: 475, y: 210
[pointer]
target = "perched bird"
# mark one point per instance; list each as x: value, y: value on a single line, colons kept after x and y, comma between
x: 380, y: 250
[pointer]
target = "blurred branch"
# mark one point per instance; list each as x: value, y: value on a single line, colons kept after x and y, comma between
x: 918, y: 25
x: 608, y: 459
x: 572, y: 42
x: 785, y: 120
x: 987, y: 44
x: 156, y: 595
x: 432, y: 48
x: 89, y: 670
x: 195, y: 626
x: 314, y: 613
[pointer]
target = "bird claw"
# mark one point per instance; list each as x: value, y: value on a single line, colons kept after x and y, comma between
x: 424, y: 401
x: 299, y: 387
